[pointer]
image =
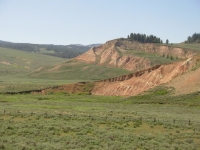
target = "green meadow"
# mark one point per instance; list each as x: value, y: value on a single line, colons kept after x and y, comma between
x: 192, y: 46
x: 65, y: 121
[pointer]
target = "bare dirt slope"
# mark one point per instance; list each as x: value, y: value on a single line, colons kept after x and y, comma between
x: 135, y: 57
x: 134, y: 83
x: 109, y: 55
x: 132, y: 55
x: 188, y: 82
x: 142, y: 80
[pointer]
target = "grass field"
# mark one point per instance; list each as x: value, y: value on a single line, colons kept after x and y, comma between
x: 20, y: 63
x: 73, y: 70
x: 187, y: 46
x: 155, y: 58
x: 16, y: 84
x: 64, y: 121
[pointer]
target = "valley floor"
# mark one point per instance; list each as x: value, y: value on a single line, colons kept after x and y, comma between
x: 65, y: 121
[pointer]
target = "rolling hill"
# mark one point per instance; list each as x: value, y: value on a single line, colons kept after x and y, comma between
x: 133, y: 55
x: 16, y: 65
x: 21, y: 70
x: 20, y: 63
x: 119, y: 67
x: 115, y: 58
x: 63, y: 51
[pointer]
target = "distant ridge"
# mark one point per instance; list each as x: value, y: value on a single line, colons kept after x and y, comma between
x: 63, y: 51
x: 91, y: 45
x: 94, y: 45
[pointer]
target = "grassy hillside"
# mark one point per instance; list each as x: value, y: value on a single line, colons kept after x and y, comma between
x: 16, y: 65
x: 20, y: 71
x: 27, y: 70
x: 63, y: 51
x: 17, y: 84
x: 153, y: 57
x: 19, y: 63
x: 74, y: 70
x: 191, y: 46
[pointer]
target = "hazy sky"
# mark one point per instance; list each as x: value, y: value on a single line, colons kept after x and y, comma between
x: 96, y: 21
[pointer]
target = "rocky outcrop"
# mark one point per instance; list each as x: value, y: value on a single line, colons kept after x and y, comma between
x: 114, y: 53
x: 134, y: 84
x: 109, y: 55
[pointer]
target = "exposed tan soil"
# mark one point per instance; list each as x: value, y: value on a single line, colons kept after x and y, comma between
x: 188, y: 82
x: 132, y: 84
x: 141, y: 81
x: 113, y: 53
x: 5, y: 63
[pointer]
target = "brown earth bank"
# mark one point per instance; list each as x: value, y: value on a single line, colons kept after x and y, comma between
x: 183, y: 76
x: 146, y: 76
x: 132, y: 84
x: 115, y: 53
x: 146, y: 79
x: 188, y: 82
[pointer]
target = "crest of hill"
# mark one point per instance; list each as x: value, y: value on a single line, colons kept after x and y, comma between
x: 132, y: 55
x: 114, y: 58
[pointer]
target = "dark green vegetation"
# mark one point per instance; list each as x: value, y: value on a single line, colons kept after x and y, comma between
x: 167, y: 41
x: 195, y: 38
x: 63, y: 51
x: 143, y: 38
x: 64, y: 121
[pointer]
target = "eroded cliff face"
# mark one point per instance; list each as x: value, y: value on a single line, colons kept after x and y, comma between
x: 136, y: 83
x: 114, y: 53
x: 188, y: 82
x: 141, y: 81
x: 109, y: 55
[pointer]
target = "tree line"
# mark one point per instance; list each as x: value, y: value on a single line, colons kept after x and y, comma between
x: 64, y: 51
x: 143, y: 38
x: 195, y: 38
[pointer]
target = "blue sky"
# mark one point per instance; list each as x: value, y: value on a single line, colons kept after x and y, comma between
x: 96, y: 21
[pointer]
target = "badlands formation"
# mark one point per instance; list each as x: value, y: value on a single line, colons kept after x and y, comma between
x: 146, y: 74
